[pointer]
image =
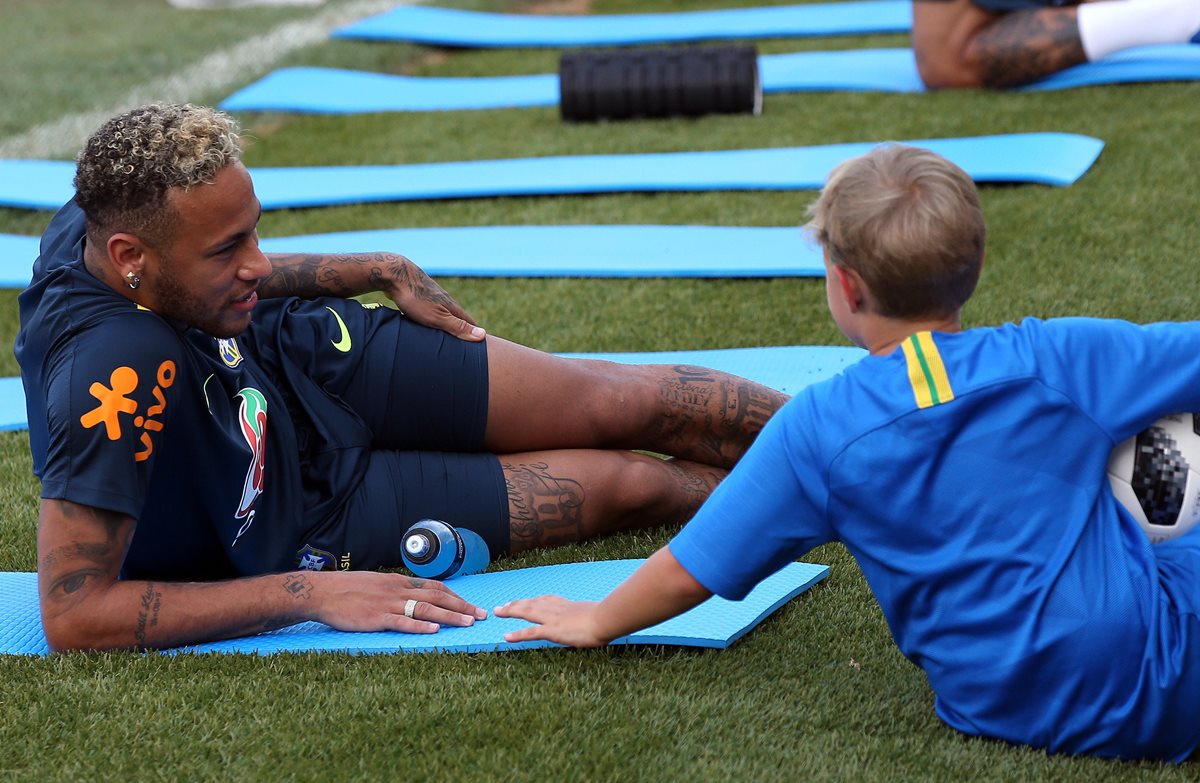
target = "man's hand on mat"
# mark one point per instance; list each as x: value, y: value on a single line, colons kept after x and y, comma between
x: 373, y: 601
x: 421, y: 299
x: 559, y: 620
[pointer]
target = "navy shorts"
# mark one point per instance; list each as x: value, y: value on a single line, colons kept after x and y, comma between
x: 418, y: 399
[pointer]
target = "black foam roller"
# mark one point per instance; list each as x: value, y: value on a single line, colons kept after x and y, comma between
x: 681, y: 81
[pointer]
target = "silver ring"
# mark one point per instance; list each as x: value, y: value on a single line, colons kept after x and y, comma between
x: 410, y: 606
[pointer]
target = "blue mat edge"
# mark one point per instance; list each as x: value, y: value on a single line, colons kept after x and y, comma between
x: 816, y: 573
x: 1072, y: 156
x: 645, y: 637
x: 779, y: 251
x: 415, y: 28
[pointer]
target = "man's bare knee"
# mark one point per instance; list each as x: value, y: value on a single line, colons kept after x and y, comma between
x: 947, y: 70
x: 942, y: 38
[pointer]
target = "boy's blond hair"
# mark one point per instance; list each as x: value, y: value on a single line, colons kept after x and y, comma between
x: 127, y: 168
x: 908, y: 221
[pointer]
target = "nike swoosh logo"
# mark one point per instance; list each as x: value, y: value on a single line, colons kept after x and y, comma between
x: 343, y: 344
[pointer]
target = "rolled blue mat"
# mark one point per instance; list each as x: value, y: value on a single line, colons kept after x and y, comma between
x: 716, y: 623
x: 335, y: 91
x: 788, y: 368
x: 452, y: 27
x: 1044, y: 158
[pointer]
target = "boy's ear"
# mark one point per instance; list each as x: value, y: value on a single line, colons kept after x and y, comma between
x: 851, y: 286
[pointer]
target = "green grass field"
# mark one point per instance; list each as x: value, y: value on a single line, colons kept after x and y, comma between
x: 818, y: 692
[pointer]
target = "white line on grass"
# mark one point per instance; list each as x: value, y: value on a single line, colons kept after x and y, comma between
x: 215, y: 72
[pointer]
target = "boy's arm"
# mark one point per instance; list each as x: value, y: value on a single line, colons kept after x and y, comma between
x: 660, y: 589
x: 86, y: 607
x: 416, y: 294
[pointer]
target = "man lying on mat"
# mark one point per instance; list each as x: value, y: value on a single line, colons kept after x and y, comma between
x: 185, y: 431
x: 965, y: 471
x: 1005, y: 43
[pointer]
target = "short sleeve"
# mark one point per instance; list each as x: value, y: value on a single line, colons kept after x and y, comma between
x: 769, y: 511
x: 110, y: 392
x: 1124, y: 375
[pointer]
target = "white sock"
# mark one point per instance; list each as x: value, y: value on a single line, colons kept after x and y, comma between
x: 1107, y: 27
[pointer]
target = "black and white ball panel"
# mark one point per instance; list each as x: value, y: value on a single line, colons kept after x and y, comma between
x: 1156, y: 476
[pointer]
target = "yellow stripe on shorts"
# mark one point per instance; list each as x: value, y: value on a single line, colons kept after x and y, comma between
x: 926, y: 373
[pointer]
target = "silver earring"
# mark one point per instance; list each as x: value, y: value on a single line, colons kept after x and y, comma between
x: 134, y: 280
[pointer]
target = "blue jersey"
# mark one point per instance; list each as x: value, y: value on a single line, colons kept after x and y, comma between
x: 190, y: 435
x: 966, y: 473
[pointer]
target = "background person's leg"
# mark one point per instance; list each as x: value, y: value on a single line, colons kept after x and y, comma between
x: 959, y: 44
x: 998, y: 43
x: 538, y: 402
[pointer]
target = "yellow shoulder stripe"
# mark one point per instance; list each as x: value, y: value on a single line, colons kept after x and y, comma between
x: 926, y: 373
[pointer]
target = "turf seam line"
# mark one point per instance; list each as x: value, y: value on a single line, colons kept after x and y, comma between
x: 215, y: 72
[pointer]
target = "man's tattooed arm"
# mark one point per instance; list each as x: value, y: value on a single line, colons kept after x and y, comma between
x: 345, y: 275
x: 86, y: 606
x: 312, y: 275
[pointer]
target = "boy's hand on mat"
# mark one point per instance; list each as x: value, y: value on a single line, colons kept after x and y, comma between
x: 424, y: 301
x: 559, y: 620
x: 373, y: 601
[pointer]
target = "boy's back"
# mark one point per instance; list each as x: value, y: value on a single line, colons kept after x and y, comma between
x: 966, y: 474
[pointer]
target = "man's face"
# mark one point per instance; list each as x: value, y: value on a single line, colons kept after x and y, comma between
x: 207, y: 272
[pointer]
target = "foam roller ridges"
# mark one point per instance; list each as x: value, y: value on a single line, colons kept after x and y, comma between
x: 679, y: 81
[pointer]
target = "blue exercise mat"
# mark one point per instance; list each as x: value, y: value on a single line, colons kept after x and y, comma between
x: 452, y: 27
x: 12, y: 405
x: 787, y: 368
x: 582, y: 251
x: 335, y: 91
x: 717, y: 623
x: 17, y: 254
x: 541, y: 251
x: 1044, y: 158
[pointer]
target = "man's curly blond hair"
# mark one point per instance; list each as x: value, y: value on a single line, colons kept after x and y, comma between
x: 127, y: 168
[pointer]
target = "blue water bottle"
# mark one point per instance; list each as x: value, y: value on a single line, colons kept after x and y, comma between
x: 432, y: 549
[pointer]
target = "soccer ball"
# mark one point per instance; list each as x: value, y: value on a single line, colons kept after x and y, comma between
x: 1156, y: 475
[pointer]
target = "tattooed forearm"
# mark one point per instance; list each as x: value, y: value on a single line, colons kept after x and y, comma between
x: 545, y: 510
x: 308, y: 276
x: 298, y: 586
x: 1027, y: 45
x: 148, y: 611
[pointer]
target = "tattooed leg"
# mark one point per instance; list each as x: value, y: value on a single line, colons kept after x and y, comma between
x: 558, y: 497
x: 709, y: 416
x: 1026, y: 45
x: 541, y: 402
x: 958, y: 44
